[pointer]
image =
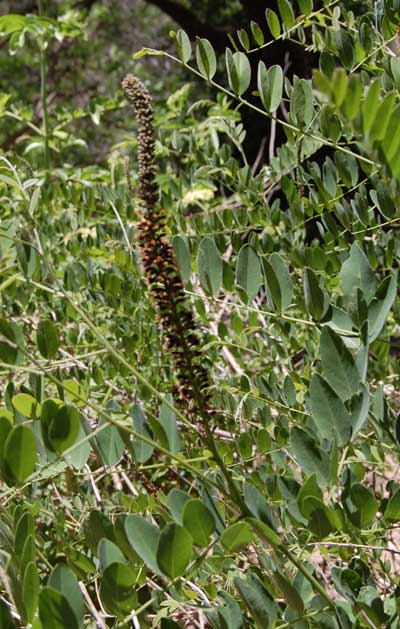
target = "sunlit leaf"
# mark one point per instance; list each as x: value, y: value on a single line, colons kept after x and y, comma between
x: 206, y: 59
x: 20, y: 453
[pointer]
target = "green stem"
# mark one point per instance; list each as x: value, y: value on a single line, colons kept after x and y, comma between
x: 43, y: 93
x: 310, y: 578
x: 234, y: 491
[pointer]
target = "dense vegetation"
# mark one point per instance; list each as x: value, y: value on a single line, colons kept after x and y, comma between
x: 199, y: 347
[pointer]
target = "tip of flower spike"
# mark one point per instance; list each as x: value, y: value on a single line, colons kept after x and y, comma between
x: 135, y: 90
x: 141, y: 101
x: 130, y: 81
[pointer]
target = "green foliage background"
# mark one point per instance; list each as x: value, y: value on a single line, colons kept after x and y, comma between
x: 115, y: 511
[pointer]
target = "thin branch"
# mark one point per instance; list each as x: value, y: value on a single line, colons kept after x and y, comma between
x: 361, y: 546
x: 89, y: 602
x: 260, y: 154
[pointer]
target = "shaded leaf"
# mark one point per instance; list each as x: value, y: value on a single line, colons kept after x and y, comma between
x: 321, y: 520
x: 174, y: 550
x: 177, y: 500
x: 109, y: 553
x: 392, y: 511
x: 64, y: 428
x: 258, y: 601
x: 228, y: 615
x: 78, y: 457
x: 328, y: 411
x: 301, y: 103
x: 339, y: 366
x: 356, y: 272
x: 248, y: 271
x: 381, y: 122
x: 352, y: 101
x: 345, y: 47
x: 359, y: 410
x: 167, y: 623
x: 362, y: 506
x: 209, y: 264
x: 258, y: 505
x: 24, y: 528
x: 97, y: 527
x: 144, y: 538
x: 309, y: 456
x: 30, y: 589
x: 168, y: 421
x: 316, y: 299
x: 117, y: 589
x: 182, y: 255
x: 310, y: 488
x: 63, y: 580
x: 6, y: 621
x: 143, y: 451
x: 289, y: 592
x: 236, y: 536
x: 381, y: 305
x: 198, y: 521
x: 55, y: 610
x: 278, y: 281
x: 371, y: 104
x: 47, y: 339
